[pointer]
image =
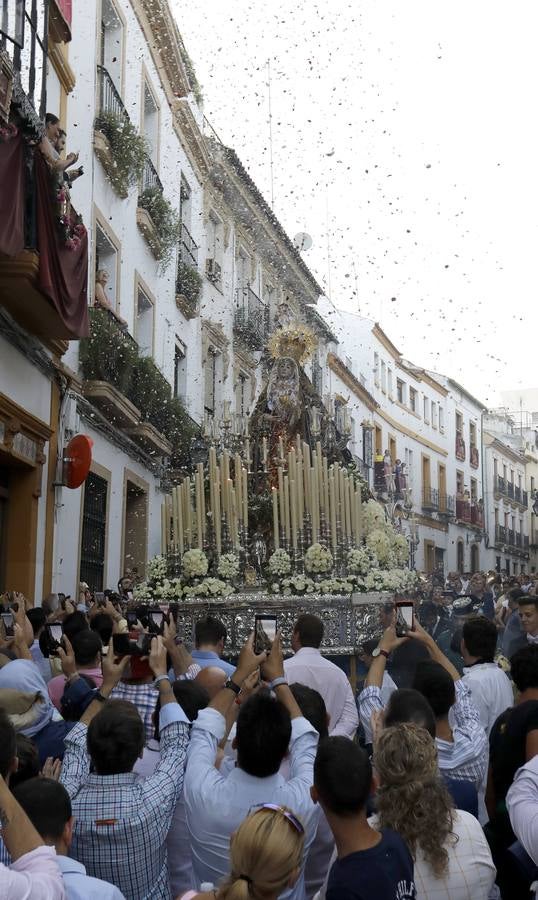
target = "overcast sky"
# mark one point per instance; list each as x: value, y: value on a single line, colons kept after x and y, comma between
x: 410, y: 127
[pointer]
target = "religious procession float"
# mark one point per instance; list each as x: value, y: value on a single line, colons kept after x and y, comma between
x: 275, y: 518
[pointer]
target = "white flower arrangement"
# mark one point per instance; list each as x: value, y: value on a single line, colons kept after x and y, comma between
x: 142, y: 591
x: 336, y: 585
x: 318, y: 559
x: 168, y: 589
x: 157, y: 568
x: 400, y: 550
x: 194, y: 564
x: 297, y: 584
x: 394, y: 580
x: 279, y: 563
x: 361, y: 560
x: 228, y: 566
x: 373, y: 517
x: 208, y: 587
x: 379, y: 542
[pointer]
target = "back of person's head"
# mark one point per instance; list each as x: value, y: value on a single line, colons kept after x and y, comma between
x: 8, y: 744
x: 514, y: 594
x: 37, y: 618
x: 28, y: 757
x: 309, y: 629
x: 209, y: 631
x: 428, y: 612
x: 191, y: 697
x: 103, y: 624
x: 263, y: 734
x: 480, y: 637
x: 115, y: 738
x: 524, y: 667
x: 434, y: 683
x: 87, y: 646
x: 212, y: 679
x: 342, y: 776
x: 51, y: 119
x: 74, y: 623
x: 265, y: 855
x: 411, y: 798
x: 312, y: 706
x: 409, y: 705
x: 47, y: 804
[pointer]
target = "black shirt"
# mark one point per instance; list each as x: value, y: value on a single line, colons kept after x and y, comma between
x: 384, y: 872
x: 507, y: 744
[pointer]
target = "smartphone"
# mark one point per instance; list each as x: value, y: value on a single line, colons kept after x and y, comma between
x: 54, y: 637
x: 125, y: 645
x: 405, y: 617
x: 156, y: 620
x: 100, y: 598
x: 132, y: 618
x: 9, y: 624
x: 264, y: 632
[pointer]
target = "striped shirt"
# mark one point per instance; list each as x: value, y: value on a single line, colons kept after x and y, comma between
x: 466, y: 756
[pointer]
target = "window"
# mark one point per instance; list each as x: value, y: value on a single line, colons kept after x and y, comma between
x: 107, y: 259
x: 495, y: 471
x: 409, y: 466
x: 496, y: 517
x: 460, y: 483
x: 367, y: 450
x: 215, y: 245
x: 112, y: 36
x: 317, y: 374
x: 441, y: 420
x: 434, y: 415
x: 426, y: 410
x: 180, y: 370
x: 383, y: 377
x: 242, y: 272
x: 389, y: 377
x: 353, y: 437
x: 460, y: 558
x: 400, y: 390
x: 213, y: 368
x: 135, y: 529
x: 349, y: 363
x: 392, y: 449
x: 376, y: 369
x: 242, y: 395
x: 412, y: 399
x: 93, y: 541
x: 150, y: 128
x: 472, y: 434
x: 474, y: 490
x: 144, y: 323
x: 459, y: 425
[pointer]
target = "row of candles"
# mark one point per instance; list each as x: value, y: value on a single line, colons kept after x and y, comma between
x: 314, y: 499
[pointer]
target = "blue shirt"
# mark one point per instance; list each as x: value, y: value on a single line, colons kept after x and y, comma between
x: 206, y: 658
x: 79, y: 886
x: 384, y: 872
x: 463, y: 793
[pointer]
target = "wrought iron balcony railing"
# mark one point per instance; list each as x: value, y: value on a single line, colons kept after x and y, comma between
x: 110, y: 102
x: 501, y: 536
x: 463, y: 510
x: 430, y: 498
x: 150, y: 177
x: 446, y: 505
x: 251, y: 321
x: 188, y: 248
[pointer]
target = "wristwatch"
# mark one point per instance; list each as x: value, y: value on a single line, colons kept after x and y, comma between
x: 276, y: 681
x: 232, y: 686
x: 379, y: 652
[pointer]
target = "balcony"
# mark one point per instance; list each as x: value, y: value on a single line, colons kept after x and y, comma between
x: 251, y: 320
x: 463, y: 511
x: 513, y: 541
x: 511, y: 492
x: 460, y: 447
x: 430, y: 499
x: 188, y: 248
x: 188, y: 279
x: 150, y: 193
x: 119, y: 147
x: 446, y: 505
x: 474, y: 457
x: 477, y: 515
x: 501, y: 536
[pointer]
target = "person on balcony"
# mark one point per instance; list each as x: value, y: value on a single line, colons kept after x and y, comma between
x: 100, y: 298
x: 48, y: 146
x: 59, y: 146
x: 388, y: 471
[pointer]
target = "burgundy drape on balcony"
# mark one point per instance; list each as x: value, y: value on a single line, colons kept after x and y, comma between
x: 63, y: 273
x: 12, y: 195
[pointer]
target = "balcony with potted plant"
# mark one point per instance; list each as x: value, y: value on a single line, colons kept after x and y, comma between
x: 188, y: 278
x: 107, y: 360
x: 155, y: 216
x: 118, y: 145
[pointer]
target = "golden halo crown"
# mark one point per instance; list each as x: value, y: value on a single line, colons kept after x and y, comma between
x: 297, y: 341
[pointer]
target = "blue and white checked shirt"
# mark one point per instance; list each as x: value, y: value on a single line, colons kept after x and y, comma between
x: 122, y: 821
x: 466, y: 757
x: 144, y: 697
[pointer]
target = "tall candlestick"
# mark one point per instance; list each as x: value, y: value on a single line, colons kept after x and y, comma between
x: 244, y: 494
x: 281, y: 448
x: 247, y: 453
x: 274, y: 493
x: 216, y: 514
x: 314, y: 496
x: 286, y: 507
x: 199, y: 529
x: 281, y: 496
x: 293, y: 512
x: 332, y: 498
x: 264, y: 451
x: 358, y: 501
x: 238, y: 481
x: 164, y: 547
x: 300, y: 492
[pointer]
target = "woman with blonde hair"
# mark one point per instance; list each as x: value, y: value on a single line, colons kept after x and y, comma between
x: 452, y: 857
x: 265, y: 857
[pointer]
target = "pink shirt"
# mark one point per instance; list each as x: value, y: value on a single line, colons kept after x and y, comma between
x: 34, y: 876
x: 56, y: 685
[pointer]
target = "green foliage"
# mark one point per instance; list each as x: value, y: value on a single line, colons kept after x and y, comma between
x: 165, y: 219
x: 150, y: 391
x: 189, y: 283
x: 109, y: 354
x: 128, y: 148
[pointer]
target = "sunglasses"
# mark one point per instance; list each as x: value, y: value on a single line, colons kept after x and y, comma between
x: 292, y: 819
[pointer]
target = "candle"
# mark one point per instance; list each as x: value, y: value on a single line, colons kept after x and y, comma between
x: 347, y: 506
x: 216, y: 513
x: 247, y: 453
x: 244, y: 493
x: 298, y: 444
x: 286, y: 508
x: 199, y: 531
x: 180, y: 538
x: 281, y: 448
x: 188, y: 512
x: 326, y: 489
x: 238, y: 481
x: 293, y: 511
x: 314, y: 499
x: 358, y: 504
x: 274, y: 493
x: 264, y: 451
x: 300, y: 492
x: 332, y: 497
x: 233, y: 518
x: 163, y: 528
x: 229, y: 487
x: 226, y: 415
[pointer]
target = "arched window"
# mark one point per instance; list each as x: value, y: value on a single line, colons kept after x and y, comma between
x: 460, y: 557
x: 475, y: 558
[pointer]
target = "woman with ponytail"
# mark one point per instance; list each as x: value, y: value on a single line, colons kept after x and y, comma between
x: 265, y: 857
x: 452, y: 857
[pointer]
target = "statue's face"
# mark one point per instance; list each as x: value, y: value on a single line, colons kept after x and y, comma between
x: 286, y: 368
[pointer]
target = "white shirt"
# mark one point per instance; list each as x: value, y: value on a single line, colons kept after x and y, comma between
x: 34, y: 876
x: 387, y: 688
x: 80, y: 886
x: 309, y: 667
x: 470, y: 874
x: 522, y: 805
x: 178, y: 842
x: 491, y: 690
x: 217, y: 805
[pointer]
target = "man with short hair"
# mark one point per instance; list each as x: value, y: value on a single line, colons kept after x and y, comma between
x: 528, y: 613
x: 309, y: 667
x: 513, y: 637
x: 267, y: 725
x: 209, y: 638
x: 87, y: 647
x: 48, y: 806
x: 489, y: 685
x: 369, y: 863
x: 121, y: 822
x: 478, y: 589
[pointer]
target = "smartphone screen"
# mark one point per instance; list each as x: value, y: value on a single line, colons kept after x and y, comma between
x: 404, y: 618
x: 156, y: 619
x: 9, y: 624
x: 100, y: 598
x: 125, y: 645
x: 264, y: 632
x: 131, y: 619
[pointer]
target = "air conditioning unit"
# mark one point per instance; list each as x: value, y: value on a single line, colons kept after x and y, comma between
x: 213, y: 271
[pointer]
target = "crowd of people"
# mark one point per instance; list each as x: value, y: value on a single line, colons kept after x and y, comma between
x: 133, y: 766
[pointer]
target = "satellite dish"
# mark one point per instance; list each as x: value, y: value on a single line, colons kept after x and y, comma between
x: 77, y: 461
x: 302, y: 241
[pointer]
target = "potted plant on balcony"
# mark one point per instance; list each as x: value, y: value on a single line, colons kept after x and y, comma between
x: 125, y: 155
x: 188, y: 287
x: 109, y: 354
x: 164, y: 236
